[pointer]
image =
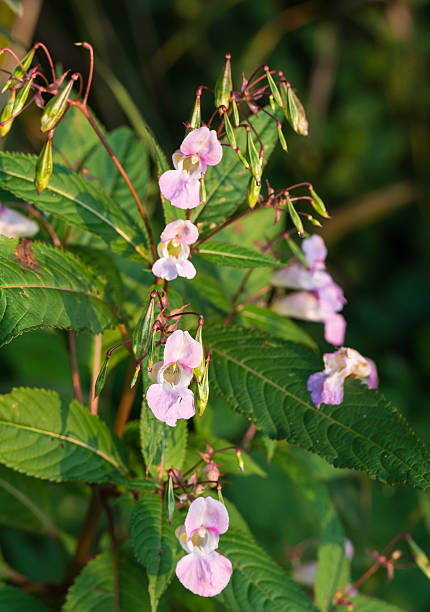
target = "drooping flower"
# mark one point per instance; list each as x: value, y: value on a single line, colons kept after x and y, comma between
x: 203, y: 571
x: 174, y: 251
x: 170, y: 398
x: 199, y: 149
x: 15, y: 225
x: 321, y: 299
x: 326, y: 387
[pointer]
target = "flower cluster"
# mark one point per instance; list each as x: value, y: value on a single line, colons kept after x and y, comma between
x: 203, y: 571
x: 170, y: 398
x: 174, y: 251
x: 320, y: 298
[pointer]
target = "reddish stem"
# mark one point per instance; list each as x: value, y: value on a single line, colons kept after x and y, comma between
x: 48, y: 55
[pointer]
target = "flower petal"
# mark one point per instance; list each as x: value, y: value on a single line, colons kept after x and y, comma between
x: 166, y: 268
x: 315, y: 250
x: 300, y: 305
x: 208, y: 512
x: 205, y: 575
x: 15, y: 225
x: 334, y: 329
x: 170, y: 405
x: 184, y: 231
x: 185, y: 268
x: 204, y: 142
x: 180, y: 347
x: 178, y: 187
x: 326, y: 389
x: 372, y: 379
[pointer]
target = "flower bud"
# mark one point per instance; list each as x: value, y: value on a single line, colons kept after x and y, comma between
x: 19, y: 73
x: 212, y: 472
x: 55, y: 108
x: 170, y: 500
x: 230, y: 131
x: 196, y: 117
x: 203, y: 389
x: 235, y: 112
x: 22, y: 96
x: 220, y: 497
x: 318, y: 204
x: 254, y: 189
x: 240, y: 460
x: 7, y: 113
x: 200, y: 370
x: 101, y: 378
x: 273, y: 87
x: 224, y: 85
x: 43, y: 167
x: 255, y: 161
x: 143, y: 332
x: 295, y: 218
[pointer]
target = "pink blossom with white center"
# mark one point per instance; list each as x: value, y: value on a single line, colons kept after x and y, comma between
x: 199, y: 149
x: 203, y: 571
x: 326, y: 387
x: 321, y: 300
x: 15, y: 225
x: 174, y: 251
x: 170, y: 399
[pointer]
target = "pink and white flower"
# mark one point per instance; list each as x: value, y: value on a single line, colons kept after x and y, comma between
x: 15, y: 225
x: 203, y: 571
x: 199, y: 149
x: 326, y: 387
x: 174, y: 251
x: 321, y: 299
x: 170, y: 398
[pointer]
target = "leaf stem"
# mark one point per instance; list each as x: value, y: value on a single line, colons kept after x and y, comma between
x: 97, y: 351
x: 88, y: 530
x: 74, y: 365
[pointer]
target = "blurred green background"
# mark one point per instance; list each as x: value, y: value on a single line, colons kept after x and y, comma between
x: 362, y: 70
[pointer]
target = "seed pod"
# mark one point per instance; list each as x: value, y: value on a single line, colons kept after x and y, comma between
x: 318, y: 204
x: 101, y: 378
x: 255, y: 161
x: 273, y: 87
x: 242, y: 158
x: 296, y: 251
x: 293, y: 110
x: 43, y: 167
x: 282, y: 137
x: 224, y: 85
x: 55, y: 108
x: 272, y: 103
x: 202, y: 189
x: 230, y: 131
x: 313, y: 220
x: 295, y: 218
x: 254, y: 189
x: 420, y: 557
x: 15, y: 79
x: 7, y: 113
x: 151, y: 348
x: 135, y: 375
x: 196, y: 117
x: 240, y: 460
x: 235, y: 112
x: 200, y: 370
x: 143, y: 332
x: 170, y: 500
x: 22, y: 96
x: 203, y: 389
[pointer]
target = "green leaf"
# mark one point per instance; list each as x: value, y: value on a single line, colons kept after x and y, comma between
x: 362, y: 603
x: 257, y: 583
x: 94, y: 588
x: 270, y: 321
x: 74, y: 199
x: 226, y: 183
x: 234, y: 256
x: 15, y: 6
x: 161, y: 443
x: 42, y: 286
x: 42, y: 438
x: 265, y: 378
x: 74, y: 140
x: 154, y: 543
x: 13, y: 599
x: 211, y: 291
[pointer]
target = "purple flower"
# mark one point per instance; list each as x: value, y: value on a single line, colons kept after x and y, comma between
x: 174, y: 251
x: 326, y: 387
x: 199, y: 149
x: 15, y: 225
x: 170, y: 399
x: 203, y: 571
x: 321, y: 300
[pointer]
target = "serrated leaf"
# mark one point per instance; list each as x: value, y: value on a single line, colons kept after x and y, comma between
x: 232, y: 255
x: 211, y: 291
x: 47, y: 287
x: 265, y: 378
x: 257, y: 583
x: 226, y: 183
x: 154, y: 543
x: 13, y: 599
x: 74, y: 199
x: 94, y: 588
x: 362, y: 603
x: 41, y: 438
x: 273, y: 323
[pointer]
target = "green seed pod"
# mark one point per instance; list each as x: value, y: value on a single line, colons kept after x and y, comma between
x: 152, y: 347
x: 281, y: 137
x: 255, y: 161
x: 202, y: 189
x: 22, y: 96
x: 143, y: 332
x: 240, y: 460
x: 18, y: 74
x: 272, y: 103
x: 254, y: 188
x: 55, y: 108
x: 43, y: 167
x: 135, y: 376
x: 295, y: 217
x: 318, y: 204
x: 420, y: 557
x: 170, y: 500
x: 297, y: 251
x: 313, y: 220
x: 235, y: 112
x: 293, y: 110
x: 203, y: 390
x: 7, y: 113
x: 224, y: 85
x: 230, y: 131
x: 101, y: 378
x: 242, y: 158
x: 196, y: 117
x: 273, y: 87
x: 200, y: 370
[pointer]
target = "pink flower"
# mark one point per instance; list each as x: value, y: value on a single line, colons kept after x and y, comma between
x: 326, y: 387
x: 321, y: 300
x: 170, y: 399
x: 199, y: 149
x: 174, y: 251
x: 15, y: 225
x: 203, y: 571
